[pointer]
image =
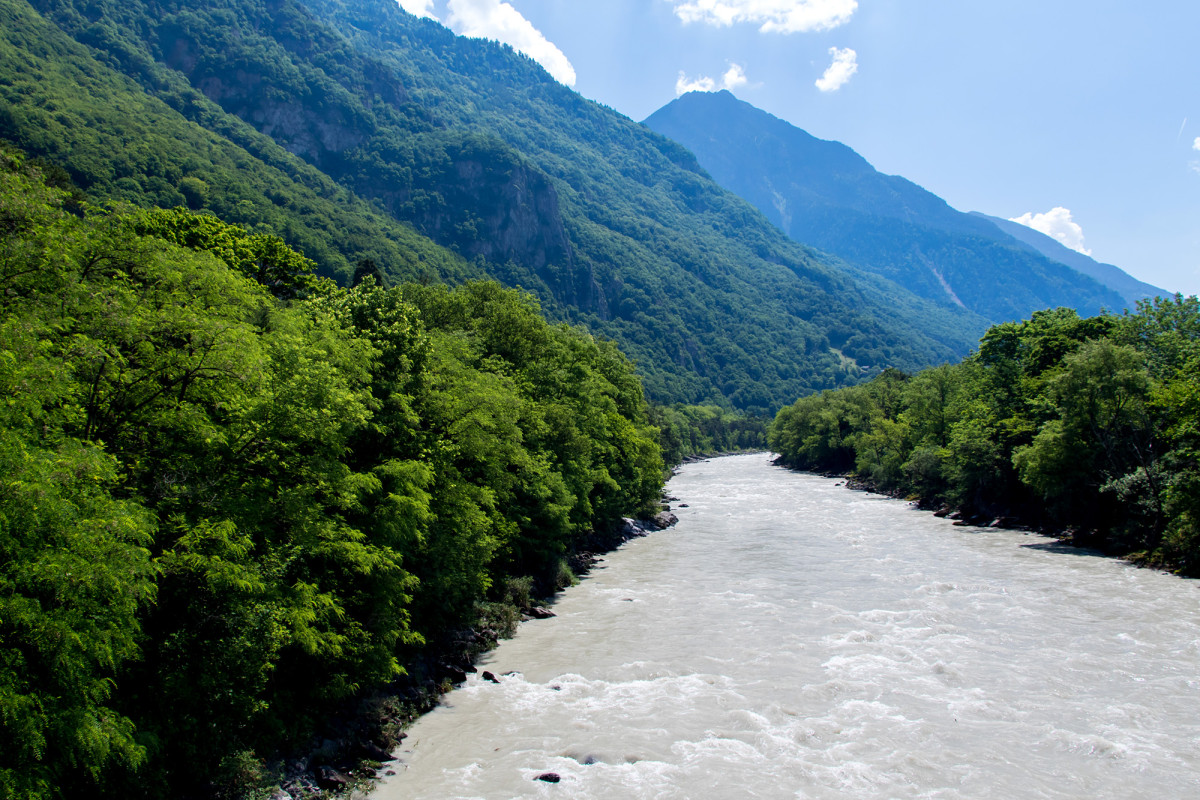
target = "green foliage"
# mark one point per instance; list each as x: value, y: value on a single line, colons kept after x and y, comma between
x: 236, y: 497
x: 1087, y: 424
x: 343, y: 126
x: 706, y: 430
x: 261, y: 257
x: 75, y: 574
x: 551, y: 418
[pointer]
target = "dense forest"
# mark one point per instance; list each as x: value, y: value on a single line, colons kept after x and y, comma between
x: 1085, y: 427
x: 355, y: 131
x: 236, y: 495
x: 692, y: 431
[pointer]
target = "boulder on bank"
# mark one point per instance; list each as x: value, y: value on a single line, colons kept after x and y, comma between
x: 636, y: 528
x: 455, y: 674
x: 664, y: 520
x: 632, y: 529
x: 374, y: 752
x: 330, y: 778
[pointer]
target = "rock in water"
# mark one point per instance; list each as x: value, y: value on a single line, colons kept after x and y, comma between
x: 548, y: 777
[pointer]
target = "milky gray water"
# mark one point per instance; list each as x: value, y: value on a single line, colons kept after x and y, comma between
x: 794, y: 639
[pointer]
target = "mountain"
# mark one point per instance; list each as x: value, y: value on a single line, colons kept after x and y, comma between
x: 65, y: 102
x: 358, y: 132
x: 1111, y: 276
x: 826, y: 195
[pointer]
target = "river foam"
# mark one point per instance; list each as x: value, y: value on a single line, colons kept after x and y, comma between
x: 794, y: 639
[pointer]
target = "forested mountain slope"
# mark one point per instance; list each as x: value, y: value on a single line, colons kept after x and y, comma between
x: 348, y: 126
x: 1111, y: 276
x: 826, y: 195
x: 59, y: 102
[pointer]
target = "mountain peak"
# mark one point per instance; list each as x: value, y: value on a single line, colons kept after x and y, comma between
x: 824, y: 194
x: 723, y: 116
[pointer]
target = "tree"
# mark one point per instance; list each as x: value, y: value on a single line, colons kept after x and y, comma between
x: 1102, y: 435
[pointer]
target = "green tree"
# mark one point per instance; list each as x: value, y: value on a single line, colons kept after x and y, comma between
x: 1103, y: 434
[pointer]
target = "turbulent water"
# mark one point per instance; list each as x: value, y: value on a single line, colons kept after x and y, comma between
x: 794, y: 639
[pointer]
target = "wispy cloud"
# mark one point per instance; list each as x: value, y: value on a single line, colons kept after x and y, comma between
x: 1057, y: 224
x: 734, y: 77
x: 843, y: 67
x: 493, y: 19
x: 1196, y: 143
x: 781, y: 16
x: 420, y: 8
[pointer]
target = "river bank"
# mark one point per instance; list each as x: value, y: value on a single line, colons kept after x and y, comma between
x: 356, y: 748
x: 1003, y: 519
x: 795, y: 639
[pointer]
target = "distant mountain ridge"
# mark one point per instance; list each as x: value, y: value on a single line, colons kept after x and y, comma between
x: 825, y: 194
x: 1111, y: 276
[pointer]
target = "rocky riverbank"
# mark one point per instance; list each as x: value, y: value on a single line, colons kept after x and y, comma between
x: 356, y: 748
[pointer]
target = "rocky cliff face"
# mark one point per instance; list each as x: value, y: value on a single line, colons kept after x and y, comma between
x: 517, y: 207
x: 470, y: 193
x: 477, y: 196
x: 317, y: 138
x: 308, y: 112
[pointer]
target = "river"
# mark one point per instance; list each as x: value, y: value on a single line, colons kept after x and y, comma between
x: 790, y: 638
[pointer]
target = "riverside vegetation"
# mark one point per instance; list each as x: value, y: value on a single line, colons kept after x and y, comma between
x: 1085, y: 425
x: 236, y: 496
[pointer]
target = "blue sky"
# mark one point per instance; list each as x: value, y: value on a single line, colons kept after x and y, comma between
x: 1080, y: 117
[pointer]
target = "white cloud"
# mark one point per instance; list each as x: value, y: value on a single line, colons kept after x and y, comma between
x: 734, y: 77
x: 1196, y: 144
x: 1057, y: 224
x: 845, y: 64
x: 419, y: 8
x: 782, y: 16
x: 493, y: 19
x: 685, y: 84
